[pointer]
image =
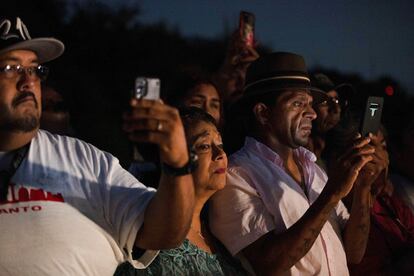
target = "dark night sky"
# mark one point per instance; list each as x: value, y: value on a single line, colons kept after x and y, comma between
x: 372, y: 38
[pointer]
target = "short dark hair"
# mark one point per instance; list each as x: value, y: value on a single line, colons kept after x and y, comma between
x: 249, y: 118
x: 193, y: 115
x: 185, y: 84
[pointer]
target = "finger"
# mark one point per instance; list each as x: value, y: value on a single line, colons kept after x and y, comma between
x: 375, y: 140
x: 366, y: 149
x: 354, y: 153
x: 144, y: 103
x: 150, y: 104
x: 350, y: 162
x: 381, y: 156
x: 159, y: 112
x: 147, y: 125
x: 356, y: 158
x: 378, y: 164
x: 354, y: 149
x: 360, y: 163
x: 361, y: 142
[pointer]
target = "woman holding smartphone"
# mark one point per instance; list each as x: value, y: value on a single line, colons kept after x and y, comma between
x: 200, y: 253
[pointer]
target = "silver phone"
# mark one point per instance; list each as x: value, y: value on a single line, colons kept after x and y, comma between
x: 147, y: 88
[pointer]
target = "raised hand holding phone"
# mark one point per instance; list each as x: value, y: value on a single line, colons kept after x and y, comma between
x: 151, y: 121
x: 239, y: 55
x: 246, y: 27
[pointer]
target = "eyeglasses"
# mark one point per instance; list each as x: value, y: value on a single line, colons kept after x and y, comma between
x: 333, y: 101
x: 12, y: 71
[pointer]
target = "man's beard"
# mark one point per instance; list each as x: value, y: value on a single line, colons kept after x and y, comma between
x: 301, y: 142
x: 25, y: 122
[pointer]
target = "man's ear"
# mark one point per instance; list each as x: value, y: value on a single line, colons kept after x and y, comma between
x: 261, y: 112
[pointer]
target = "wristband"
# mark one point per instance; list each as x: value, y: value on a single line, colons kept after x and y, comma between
x: 188, y: 168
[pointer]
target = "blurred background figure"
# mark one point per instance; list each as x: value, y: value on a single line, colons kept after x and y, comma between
x: 390, y: 248
x: 230, y: 79
x: 200, y: 253
x: 197, y: 89
x: 401, y: 147
x: 328, y: 111
x: 55, y: 115
x: 231, y: 75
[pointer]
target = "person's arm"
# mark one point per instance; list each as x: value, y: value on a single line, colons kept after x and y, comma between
x: 168, y: 215
x: 273, y: 253
x: 231, y: 74
x: 372, y: 177
x: 355, y: 235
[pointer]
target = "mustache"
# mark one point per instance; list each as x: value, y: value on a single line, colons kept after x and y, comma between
x: 22, y: 96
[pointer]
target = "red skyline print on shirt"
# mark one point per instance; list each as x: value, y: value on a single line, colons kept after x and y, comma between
x: 26, y: 194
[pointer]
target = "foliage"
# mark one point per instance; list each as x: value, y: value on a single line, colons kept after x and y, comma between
x: 107, y: 48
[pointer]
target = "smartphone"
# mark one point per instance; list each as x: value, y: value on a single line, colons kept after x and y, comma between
x: 246, y: 27
x: 147, y: 88
x: 372, y: 116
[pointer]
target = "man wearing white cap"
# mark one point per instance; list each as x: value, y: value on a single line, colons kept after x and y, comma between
x: 67, y: 208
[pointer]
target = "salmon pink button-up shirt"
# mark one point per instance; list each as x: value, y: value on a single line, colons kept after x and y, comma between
x: 261, y: 197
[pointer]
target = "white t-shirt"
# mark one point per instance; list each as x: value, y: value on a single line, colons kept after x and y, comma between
x: 261, y: 197
x: 71, y: 210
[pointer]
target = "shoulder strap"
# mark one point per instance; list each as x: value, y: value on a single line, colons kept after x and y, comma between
x: 6, y: 175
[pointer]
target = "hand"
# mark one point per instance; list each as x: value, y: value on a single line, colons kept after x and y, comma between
x: 154, y: 122
x: 239, y: 55
x: 231, y: 75
x: 347, y: 167
x: 375, y: 173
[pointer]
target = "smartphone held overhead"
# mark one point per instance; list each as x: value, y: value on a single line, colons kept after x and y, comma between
x: 246, y: 27
x: 147, y: 88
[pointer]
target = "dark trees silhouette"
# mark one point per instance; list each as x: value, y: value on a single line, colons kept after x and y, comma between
x: 107, y: 48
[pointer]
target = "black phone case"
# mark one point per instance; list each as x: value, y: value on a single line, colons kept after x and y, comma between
x: 372, y: 116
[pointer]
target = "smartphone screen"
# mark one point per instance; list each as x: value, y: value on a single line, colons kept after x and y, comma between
x: 246, y: 27
x: 147, y: 88
x: 372, y: 116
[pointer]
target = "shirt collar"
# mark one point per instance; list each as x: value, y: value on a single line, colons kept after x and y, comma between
x: 267, y: 153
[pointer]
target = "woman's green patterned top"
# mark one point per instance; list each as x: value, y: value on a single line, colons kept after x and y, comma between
x: 187, y: 259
